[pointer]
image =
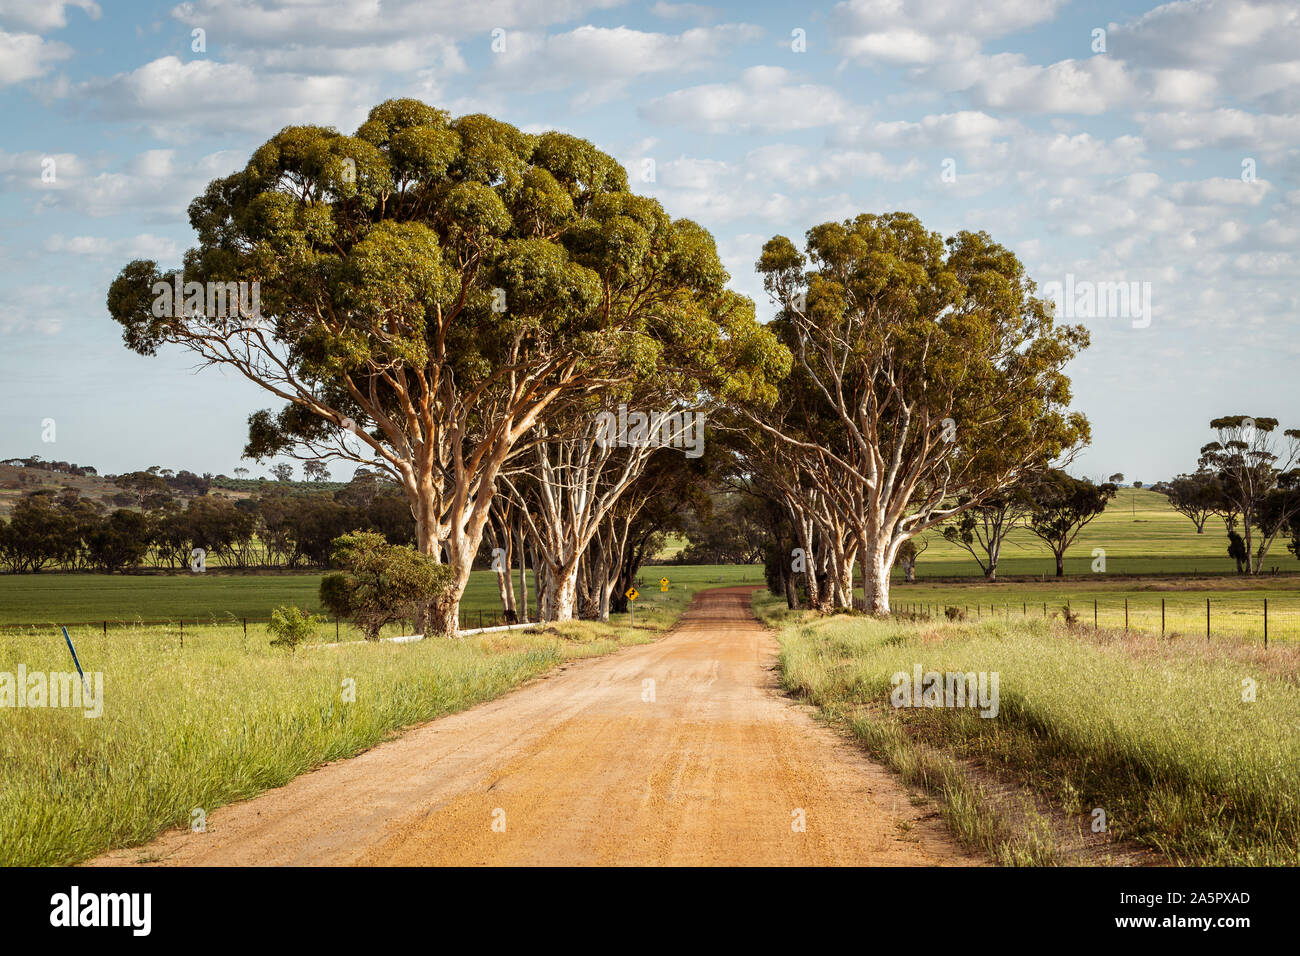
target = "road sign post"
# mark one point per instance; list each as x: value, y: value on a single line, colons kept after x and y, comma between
x: 632, y: 594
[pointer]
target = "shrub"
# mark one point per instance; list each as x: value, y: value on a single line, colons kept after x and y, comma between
x: 380, y: 582
x: 291, y: 626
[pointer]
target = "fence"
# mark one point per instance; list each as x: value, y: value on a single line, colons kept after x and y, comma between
x: 1186, y: 615
x: 181, y: 626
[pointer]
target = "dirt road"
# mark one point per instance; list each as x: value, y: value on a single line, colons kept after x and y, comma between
x: 680, y: 752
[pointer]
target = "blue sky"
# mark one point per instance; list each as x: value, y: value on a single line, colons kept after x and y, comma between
x: 1171, y: 158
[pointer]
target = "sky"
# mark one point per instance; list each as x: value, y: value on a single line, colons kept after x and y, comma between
x: 1103, y: 142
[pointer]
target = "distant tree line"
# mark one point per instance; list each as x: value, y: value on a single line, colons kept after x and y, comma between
x: 64, y: 467
x: 154, y: 529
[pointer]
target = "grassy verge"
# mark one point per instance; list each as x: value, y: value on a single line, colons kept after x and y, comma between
x: 1161, y: 741
x: 223, y: 718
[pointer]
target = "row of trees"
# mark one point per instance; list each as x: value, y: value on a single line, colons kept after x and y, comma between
x: 927, y: 379
x: 1248, y: 477
x: 47, y: 530
x: 464, y: 307
x: 453, y: 302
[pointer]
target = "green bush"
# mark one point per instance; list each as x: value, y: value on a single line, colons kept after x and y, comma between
x: 292, y: 626
x: 380, y: 582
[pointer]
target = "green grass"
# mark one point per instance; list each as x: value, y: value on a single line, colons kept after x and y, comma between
x: 1139, y: 532
x: 56, y: 598
x: 1154, y: 733
x: 223, y: 717
x: 1236, y: 604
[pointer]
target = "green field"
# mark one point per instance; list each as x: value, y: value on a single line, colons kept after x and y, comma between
x: 1139, y: 532
x: 90, y: 599
x: 1158, y: 735
x: 1236, y: 605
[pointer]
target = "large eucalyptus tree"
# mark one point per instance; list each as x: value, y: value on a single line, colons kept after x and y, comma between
x: 942, y: 373
x: 429, y: 287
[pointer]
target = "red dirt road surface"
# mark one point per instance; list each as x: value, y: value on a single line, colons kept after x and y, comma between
x: 595, y: 765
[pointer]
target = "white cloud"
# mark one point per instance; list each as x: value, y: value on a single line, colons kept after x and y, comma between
x: 346, y: 23
x: 169, y: 94
x: 765, y: 99
x: 43, y: 14
x: 941, y: 130
x: 152, y: 184
x: 1233, y: 192
x: 928, y: 31
x: 144, y: 246
x: 25, y: 56
x: 1007, y: 81
x: 603, y: 60
x: 1203, y: 129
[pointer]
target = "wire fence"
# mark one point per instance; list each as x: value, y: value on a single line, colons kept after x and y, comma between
x: 470, y: 618
x: 1262, y: 619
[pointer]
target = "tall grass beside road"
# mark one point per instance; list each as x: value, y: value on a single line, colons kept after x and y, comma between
x: 223, y: 718
x: 1160, y: 740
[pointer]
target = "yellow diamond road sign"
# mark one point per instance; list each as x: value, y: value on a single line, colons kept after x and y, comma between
x: 633, y: 594
x: 663, y: 584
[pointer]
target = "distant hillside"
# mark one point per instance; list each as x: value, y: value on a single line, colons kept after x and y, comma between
x: 17, y: 480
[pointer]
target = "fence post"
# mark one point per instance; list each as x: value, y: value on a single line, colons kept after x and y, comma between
x: 106, y: 626
x: 182, y: 632
x: 1162, y: 617
x: 336, y: 628
x: 1207, y: 619
x: 1126, y: 615
x: 1094, y: 614
x: 1265, y: 623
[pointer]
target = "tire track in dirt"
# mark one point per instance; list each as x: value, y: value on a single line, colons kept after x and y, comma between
x: 584, y: 771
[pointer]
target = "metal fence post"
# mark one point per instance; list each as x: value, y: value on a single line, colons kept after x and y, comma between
x: 1265, y: 623
x: 1162, y: 617
x: 1207, y: 619
x: 1126, y: 615
x: 1094, y: 614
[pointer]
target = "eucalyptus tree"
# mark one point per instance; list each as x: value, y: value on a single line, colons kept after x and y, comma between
x: 1197, y: 496
x: 589, y: 450
x: 1258, y: 473
x: 426, y: 289
x: 943, y: 371
x: 982, y: 530
x: 1063, y: 506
